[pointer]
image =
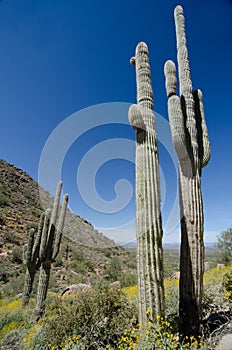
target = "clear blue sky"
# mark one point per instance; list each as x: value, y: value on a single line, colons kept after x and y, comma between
x: 59, y: 57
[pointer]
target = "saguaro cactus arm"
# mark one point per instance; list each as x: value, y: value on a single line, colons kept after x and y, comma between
x: 176, y: 118
x: 45, y: 234
x: 36, y: 246
x: 136, y: 118
x: 203, y: 138
x: 27, y: 249
x: 56, y: 204
x: 60, y: 227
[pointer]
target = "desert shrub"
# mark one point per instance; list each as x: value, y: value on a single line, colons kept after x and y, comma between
x: 16, y: 256
x: 13, y: 323
x: 37, y: 339
x: 31, y: 225
x: 128, y: 279
x: 214, y: 297
x: 227, y: 284
x: 107, y: 252
x: 4, y: 274
x: 78, y: 266
x: 94, y: 318
x: 76, y: 254
x: 36, y: 212
x: 224, y: 244
x: 3, y: 200
x: 12, y: 338
x: 171, y: 287
x: 171, y: 261
x: 160, y: 336
x: 7, y: 320
x: 11, y: 237
x: 14, y: 285
x: 2, y: 219
x: 131, y: 293
x: 113, y: 269
x: 58, y: 262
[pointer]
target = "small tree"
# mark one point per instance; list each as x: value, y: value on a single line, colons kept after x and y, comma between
x: 224, y: 244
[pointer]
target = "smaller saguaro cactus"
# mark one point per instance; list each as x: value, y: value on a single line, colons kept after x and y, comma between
x: 31, y: 259
x: 49, y: 247
x: 190, y: 139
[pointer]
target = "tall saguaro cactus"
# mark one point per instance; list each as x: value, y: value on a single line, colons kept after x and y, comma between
x: 148, y: 200
x: 31, y: 259
x: 190, y: 139
x: 49, y: 247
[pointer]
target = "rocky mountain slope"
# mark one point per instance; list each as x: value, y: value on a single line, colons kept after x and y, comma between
x: 20, y: 207
x: 84, y: 250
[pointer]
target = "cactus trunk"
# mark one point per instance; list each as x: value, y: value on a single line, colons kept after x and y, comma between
x: 44, y: 276
x: 28, y: 283
x: 190, y: 139
x: 148, y: 212
x: 191, y: 254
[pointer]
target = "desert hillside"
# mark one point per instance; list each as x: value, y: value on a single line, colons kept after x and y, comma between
x: 84, y: 250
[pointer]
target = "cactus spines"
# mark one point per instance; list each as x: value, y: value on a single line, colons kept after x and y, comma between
x: 148, y: 212
x: 31, y: 259
x: 190, y: 139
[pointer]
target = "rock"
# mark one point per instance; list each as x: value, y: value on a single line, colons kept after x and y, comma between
x: 3, y: 254
x: 175, y: 275
x: 116, y: 285
x: 225, y: 343
x: 75, y: 288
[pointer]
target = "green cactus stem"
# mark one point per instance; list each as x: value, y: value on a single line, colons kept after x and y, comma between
x: 148, y: 200
x: 190, y: 139
x: 31, y: 260
x: 49, y: 248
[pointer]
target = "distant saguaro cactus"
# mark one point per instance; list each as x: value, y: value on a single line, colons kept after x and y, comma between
x: 31, y: 259
x: 49, y: 247
x: 190, y: 139
x: 148, y: 200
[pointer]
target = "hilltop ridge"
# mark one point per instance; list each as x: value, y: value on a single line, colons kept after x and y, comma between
x: 20, y: 207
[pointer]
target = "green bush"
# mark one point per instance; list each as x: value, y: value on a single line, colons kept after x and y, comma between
x: 2, y: 219
x: 36, y: 212
x: 13, y: 324
x: 3, y: 200
x: 98, y: 317
x: 31, y: 225
x: 10, y: 237
x: 15, y: 284
x: 11, y: 339
x: 128, y: 279
x: 224, y: 244
x: 16, y: 256
x: 227, y: 284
